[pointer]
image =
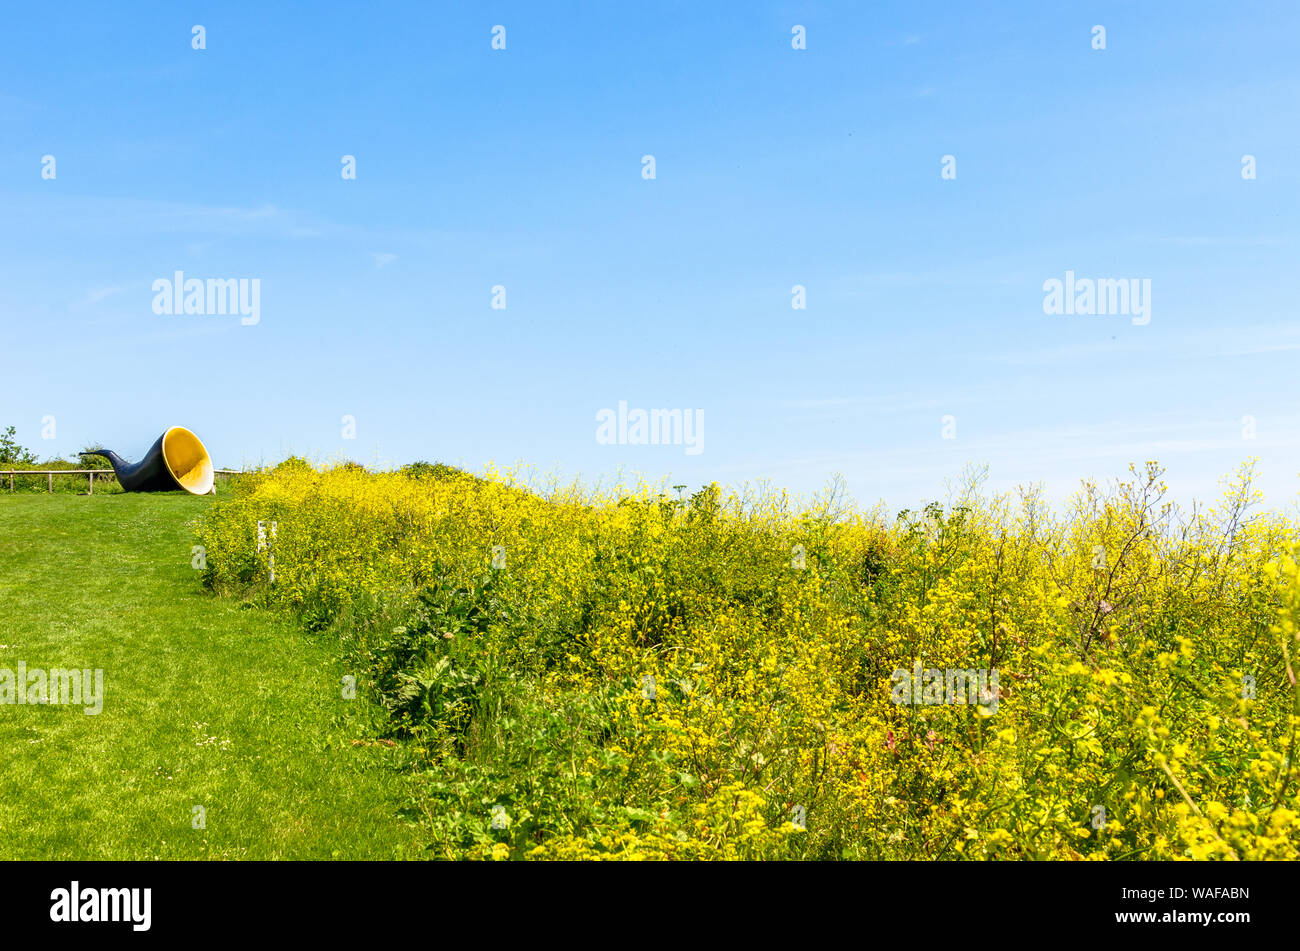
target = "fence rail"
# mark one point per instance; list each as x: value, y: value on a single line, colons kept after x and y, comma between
x: 51, y: 473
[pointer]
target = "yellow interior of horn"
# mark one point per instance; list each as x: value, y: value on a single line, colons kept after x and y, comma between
x: 187, y: 460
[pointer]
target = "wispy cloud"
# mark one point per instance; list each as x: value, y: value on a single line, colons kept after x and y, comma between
x: 13, y: 107
x: 121, y: 217
x: 1234, y: 341
x: 1215, y: 241
x: 857, y: 406
x: 1197, y: 451
x: 98, y: 294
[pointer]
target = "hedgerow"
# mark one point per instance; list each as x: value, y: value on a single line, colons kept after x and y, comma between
x: 630, y: 674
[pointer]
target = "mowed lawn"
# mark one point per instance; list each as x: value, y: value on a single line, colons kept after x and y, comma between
x: 207, y: 702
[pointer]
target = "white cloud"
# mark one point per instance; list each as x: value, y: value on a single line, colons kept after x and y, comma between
x: 98, y: 294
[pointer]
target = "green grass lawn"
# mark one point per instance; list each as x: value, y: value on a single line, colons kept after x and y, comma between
x: 207, y: 702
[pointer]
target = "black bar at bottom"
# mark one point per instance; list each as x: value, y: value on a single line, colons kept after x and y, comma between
x: 530, y: 901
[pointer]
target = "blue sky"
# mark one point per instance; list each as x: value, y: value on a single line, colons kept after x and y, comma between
x: 774, y: 167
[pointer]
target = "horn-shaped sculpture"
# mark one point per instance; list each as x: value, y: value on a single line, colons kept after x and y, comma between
x: 176, y: 461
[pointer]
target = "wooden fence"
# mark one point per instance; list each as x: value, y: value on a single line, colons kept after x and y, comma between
x: 51, y: 473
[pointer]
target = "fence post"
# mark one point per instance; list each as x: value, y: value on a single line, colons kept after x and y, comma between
x: 50, y: 479
x: 92, y: 482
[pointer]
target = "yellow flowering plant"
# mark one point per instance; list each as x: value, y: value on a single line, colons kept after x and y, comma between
x: 634, y: 675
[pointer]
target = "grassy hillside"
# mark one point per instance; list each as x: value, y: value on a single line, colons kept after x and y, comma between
x: 645, y: 676
x: 207, y: 702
